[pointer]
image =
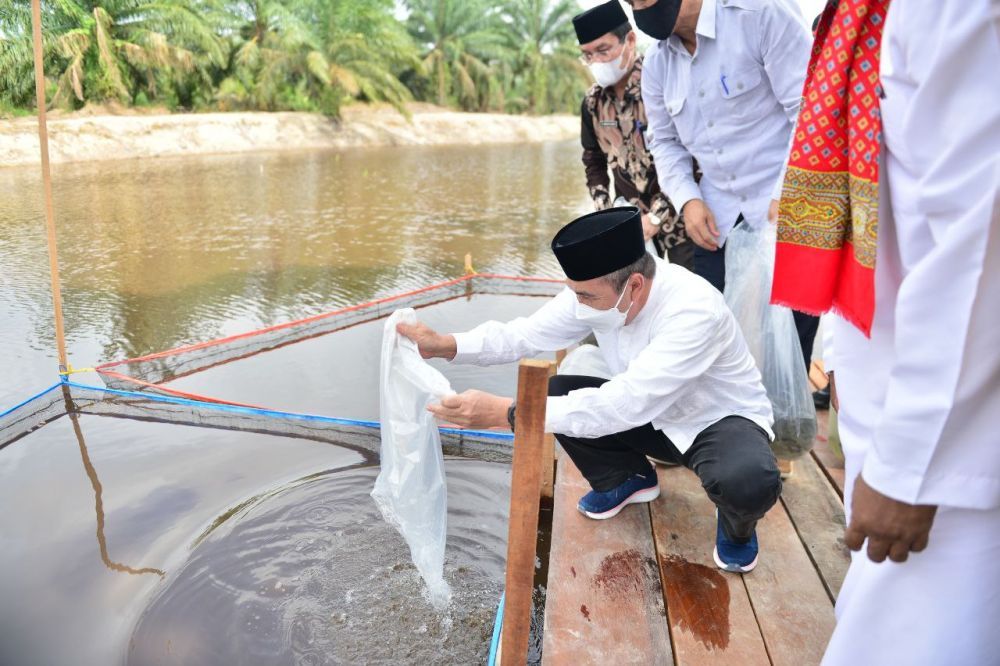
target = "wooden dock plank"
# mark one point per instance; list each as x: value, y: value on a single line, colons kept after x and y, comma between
x: 711, y: 619
x: 817, y: 513
x: 790, y: 601
x: 603, y: 602
x: 831, y: 463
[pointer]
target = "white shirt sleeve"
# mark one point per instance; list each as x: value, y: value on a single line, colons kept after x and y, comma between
x: 653, y: 381
x: 553, y: 327
x: 674, y: 164
x: 786, y: 44
x: 934, y: 443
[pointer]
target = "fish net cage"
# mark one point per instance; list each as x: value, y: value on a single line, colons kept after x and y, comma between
x: 134, y: 387
x: 149, y: 373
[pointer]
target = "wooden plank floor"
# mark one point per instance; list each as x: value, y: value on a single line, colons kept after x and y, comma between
x: 606, y: 570
x: 642, y: 587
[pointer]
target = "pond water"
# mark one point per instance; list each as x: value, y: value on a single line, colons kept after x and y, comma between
x: 139, y: 542
x: 159, y: 253
x: 337, y: 374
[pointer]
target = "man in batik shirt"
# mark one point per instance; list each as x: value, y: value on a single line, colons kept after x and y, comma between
x: 613, y: 123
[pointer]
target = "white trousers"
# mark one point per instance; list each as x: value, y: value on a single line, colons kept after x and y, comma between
x: 940, y: 607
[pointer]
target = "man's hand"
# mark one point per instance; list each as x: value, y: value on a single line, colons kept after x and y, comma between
x: 430, y: 343
x: 700, y: 224
x: 473, y: 409
x: 772, y: 212
x: 649, y: 230
x: 892, y: 528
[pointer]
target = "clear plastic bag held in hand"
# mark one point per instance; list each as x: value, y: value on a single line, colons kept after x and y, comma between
x: 410, y: 490
x: 771, y: 335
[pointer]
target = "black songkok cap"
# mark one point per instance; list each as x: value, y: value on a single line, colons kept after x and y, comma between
x: 598, y: 21
x: 600, y: 243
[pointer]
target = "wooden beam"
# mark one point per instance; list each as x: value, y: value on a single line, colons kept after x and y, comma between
x: 603, y: 603
x: 522, y: 533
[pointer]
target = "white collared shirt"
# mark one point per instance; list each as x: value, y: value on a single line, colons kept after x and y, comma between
x: 920, y: 398
x: 682, y: 364
x: 732, y: 106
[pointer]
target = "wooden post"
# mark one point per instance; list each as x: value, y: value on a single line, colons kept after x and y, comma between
x: 522, y: 533
x: 549, y: 450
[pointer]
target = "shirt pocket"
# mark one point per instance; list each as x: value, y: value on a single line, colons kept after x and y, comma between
x: 739, y: 92
x: 680, y: 112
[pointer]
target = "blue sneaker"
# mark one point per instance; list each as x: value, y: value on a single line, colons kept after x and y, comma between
x: 731, y: 556
x: 601, y: 505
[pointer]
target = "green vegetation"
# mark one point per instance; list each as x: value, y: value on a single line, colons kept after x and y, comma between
x: 304, y: 55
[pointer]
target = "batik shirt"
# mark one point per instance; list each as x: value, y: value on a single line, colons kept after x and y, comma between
x: 612, y: 135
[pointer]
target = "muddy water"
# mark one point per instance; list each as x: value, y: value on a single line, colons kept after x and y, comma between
x: 313, y: 575
x: 160, y: 253
x: 143, y: 542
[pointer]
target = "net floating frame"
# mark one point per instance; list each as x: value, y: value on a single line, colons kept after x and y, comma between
x: 148, y: 373
x: 139, y: 395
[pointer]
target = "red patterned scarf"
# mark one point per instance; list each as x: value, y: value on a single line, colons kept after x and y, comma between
x: 828, y: 216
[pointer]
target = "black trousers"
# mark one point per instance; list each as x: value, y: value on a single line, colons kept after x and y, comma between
x: 712, y: 266
x: 732, y: 458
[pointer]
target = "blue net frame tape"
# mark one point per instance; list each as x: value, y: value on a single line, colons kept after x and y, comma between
x: 50, y: 404
x: 497, y: 628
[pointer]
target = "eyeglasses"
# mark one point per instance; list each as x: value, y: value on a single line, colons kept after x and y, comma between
x: 602, y: 54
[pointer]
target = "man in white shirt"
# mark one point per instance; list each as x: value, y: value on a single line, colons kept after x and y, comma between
x: 723, y: 86
x: 919, y: 398
x: 684, y: 389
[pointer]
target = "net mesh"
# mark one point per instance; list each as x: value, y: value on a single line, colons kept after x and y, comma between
x: 361, y: 436
x: 149, y: 373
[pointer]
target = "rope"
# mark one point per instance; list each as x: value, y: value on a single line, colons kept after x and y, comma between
x: 50, y: 220
x: 70, y: 370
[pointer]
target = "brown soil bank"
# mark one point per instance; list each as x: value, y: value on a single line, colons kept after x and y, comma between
x: 85, y: 137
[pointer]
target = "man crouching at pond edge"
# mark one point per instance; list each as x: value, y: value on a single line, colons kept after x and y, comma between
x: 685, y: 389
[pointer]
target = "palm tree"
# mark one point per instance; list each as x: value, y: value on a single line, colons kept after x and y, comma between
x: 462, y: 45
x: 310, y: 54
x: 366, y: 47
x: 541, y: 35
x: 277, y: 59
x: 107, y: 50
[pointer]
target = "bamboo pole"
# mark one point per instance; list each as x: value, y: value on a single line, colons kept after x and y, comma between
x: 522, y: 534
x: 50, y: 219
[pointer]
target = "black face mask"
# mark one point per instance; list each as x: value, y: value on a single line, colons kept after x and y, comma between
x: 658, y: 21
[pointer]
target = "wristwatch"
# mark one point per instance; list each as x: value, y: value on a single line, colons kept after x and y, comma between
x: 510, y: 415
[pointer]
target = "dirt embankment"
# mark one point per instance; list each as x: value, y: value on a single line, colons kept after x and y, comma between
x: 85, y: 136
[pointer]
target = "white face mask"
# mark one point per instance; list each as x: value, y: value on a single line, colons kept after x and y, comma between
x: 603, y: 321
x: 609, y: 73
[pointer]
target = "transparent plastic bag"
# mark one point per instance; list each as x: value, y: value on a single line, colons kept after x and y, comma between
x: 771, y: 336
x: 410, y: 490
